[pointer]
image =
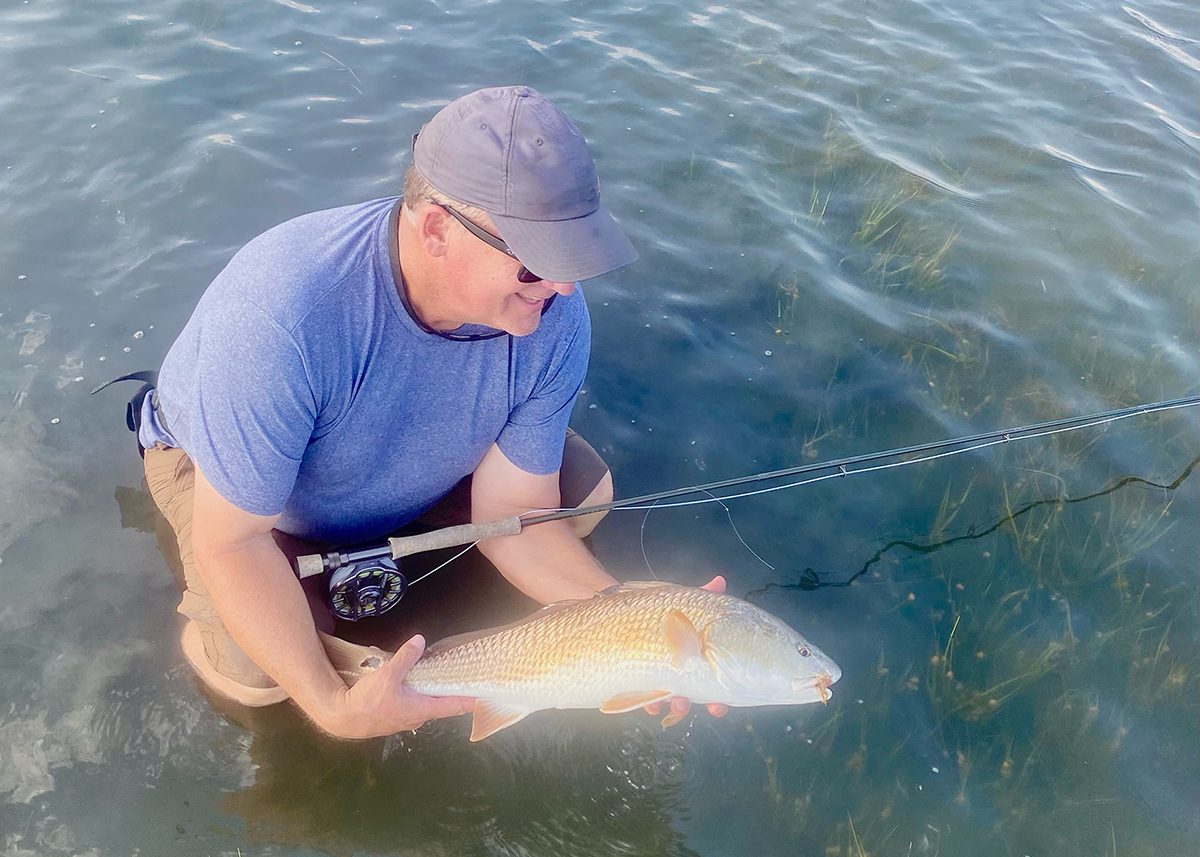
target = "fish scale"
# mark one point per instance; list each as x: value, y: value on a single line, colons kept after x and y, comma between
x: 621, y: 631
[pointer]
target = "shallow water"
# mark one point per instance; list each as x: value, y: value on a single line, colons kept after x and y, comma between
x: 861, y: 226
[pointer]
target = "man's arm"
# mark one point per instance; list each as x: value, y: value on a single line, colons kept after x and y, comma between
x: 263, y: 606
x: 546, y: 561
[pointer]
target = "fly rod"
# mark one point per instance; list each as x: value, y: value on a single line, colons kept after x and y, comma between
x: 362, y: 568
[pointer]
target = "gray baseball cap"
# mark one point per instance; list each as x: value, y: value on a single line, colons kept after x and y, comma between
x: 510, y: 152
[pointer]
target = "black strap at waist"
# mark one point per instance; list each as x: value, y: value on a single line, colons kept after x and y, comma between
x: 133, y: 408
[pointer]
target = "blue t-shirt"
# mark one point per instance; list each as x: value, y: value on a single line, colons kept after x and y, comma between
x: 301, y: 385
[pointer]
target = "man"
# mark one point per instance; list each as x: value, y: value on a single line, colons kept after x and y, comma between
x: 349, y: 368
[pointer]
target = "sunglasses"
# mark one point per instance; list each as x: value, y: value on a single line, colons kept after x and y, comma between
x: 398, y: 274
x: 524, y: 275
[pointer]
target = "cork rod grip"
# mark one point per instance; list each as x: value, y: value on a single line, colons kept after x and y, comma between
x: 450, y: 536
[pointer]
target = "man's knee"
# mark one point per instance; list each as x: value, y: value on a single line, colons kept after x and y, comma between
x: 583, y: 525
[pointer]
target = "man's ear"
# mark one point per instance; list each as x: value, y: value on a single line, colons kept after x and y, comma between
x: 433, y: 229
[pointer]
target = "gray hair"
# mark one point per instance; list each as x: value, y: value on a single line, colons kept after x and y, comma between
x: 418, y: 190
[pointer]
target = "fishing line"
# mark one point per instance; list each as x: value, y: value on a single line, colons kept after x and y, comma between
x: 809, y: 579
x: 737, y: 532
x: 642, y: 541
x: 842, y: 465
x: 472, y: 534
x: 844, y: 472
x: 444, y: 564
x: 728, y: 514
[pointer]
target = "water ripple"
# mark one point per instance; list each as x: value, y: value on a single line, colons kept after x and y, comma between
x: 1157, y: 28
x: 860, y: 226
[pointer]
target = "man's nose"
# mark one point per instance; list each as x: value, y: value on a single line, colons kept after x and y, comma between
x: 563, y: 289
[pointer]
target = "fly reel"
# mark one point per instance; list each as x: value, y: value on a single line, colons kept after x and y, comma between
x: 367, y: 588
x: 368, y: 582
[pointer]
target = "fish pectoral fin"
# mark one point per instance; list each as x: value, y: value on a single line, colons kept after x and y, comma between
x: 683, y: 640
x: 623, y: 702
x: 491, y: 717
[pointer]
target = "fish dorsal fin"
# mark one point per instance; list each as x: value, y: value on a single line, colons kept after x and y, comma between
x: 683, y: 640
x: 458, y: 639
x: 491, y: 717
x: 623, y: 702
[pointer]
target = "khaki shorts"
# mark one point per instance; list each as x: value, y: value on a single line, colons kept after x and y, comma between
x: 584, y: 480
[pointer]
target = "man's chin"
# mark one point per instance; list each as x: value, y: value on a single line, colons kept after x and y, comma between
x: 521, y: 329
x: 522, y: 325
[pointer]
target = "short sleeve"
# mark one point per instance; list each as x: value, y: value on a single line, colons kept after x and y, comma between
x: 253, y: 408
x: 537, y: 426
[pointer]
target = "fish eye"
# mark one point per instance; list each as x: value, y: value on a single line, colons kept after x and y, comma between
x: 804, y: 650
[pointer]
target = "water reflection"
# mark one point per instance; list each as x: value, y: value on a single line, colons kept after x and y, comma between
x: 591, y: 788
x: 31, y: 491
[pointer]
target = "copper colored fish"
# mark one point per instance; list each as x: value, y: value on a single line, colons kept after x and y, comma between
x: 626, y: 647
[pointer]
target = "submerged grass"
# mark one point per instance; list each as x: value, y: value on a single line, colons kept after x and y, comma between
x: 1050, y: 633
x: 897, y: 235
x: 1018, y: 680
x: 884, y: 225
x: 1046, y: 624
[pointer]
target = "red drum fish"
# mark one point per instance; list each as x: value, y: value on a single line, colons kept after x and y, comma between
x: 624, y: 648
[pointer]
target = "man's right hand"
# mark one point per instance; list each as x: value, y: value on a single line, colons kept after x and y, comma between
x: 380, y: 703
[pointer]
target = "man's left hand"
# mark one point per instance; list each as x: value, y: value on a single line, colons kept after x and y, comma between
x: 680, y: 706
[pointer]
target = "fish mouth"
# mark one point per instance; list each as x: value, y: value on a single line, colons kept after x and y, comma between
x: 814, y: 687
x: 822, y: 683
